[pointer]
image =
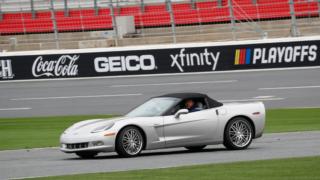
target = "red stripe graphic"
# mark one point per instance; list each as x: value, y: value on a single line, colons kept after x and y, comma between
x: 240, y: 52
x: 241, y: 56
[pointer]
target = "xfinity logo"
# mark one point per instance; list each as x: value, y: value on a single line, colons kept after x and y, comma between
x: 194, y: 59
x: 273, y: 55
x: 124, y: 63
x: 6, y: 69
x: 64, y: 66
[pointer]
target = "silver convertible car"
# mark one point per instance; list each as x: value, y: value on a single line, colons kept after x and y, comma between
x: 190, y: 120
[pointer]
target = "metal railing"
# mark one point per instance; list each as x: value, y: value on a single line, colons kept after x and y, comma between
x: 61, y: 22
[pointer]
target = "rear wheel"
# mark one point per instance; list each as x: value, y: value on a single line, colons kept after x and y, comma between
x: 195, y: 148
x: 87, y: 154
x: 129, y: 142
x: 238, y: 134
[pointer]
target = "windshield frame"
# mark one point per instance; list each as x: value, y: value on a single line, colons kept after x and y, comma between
x: 178, y: 100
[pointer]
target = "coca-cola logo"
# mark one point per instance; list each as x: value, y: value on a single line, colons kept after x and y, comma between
x: 64, y: 66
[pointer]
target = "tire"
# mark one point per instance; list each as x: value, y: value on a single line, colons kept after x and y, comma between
x: 195, y: 148
x: 238, y: 134
x: 130, y: 142
x: 86, y: 154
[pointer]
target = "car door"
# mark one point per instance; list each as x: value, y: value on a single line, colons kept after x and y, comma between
x: 153, y: 127
x: 194, y: 128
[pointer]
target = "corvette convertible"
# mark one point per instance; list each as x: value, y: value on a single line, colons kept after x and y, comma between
x: 166, y: 121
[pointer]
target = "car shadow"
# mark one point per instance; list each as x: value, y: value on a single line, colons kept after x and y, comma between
x: 104, y: 156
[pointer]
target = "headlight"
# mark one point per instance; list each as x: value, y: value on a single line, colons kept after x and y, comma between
x: 102, y: 128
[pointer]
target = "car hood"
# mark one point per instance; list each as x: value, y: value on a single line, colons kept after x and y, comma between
x: 93, y: 124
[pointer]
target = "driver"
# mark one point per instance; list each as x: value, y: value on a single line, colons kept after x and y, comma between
x: 190, y: 105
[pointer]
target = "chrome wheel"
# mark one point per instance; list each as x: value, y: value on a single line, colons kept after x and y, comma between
x: 238, y: 134
x: 132, y: 141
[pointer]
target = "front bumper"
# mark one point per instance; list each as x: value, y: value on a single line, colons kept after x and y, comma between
x: 70, y: 143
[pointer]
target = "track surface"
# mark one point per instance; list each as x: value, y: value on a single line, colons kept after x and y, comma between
x: 49, y: 162
x: 287, y: 88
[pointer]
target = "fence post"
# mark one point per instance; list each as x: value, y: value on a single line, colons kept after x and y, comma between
x: 193, y: 4
x: 66, y: 9
x: 172, y: 21
x: 142, y: 5
x: 33, y: 12
x: 219, y: 3
x: 54, y: 22
x: 118, y: 7
x: 232, y: 19
x: 1, y: 16
x: 294, y: 29
x: 114, y: 23
x: 319, y: 7
x: 95, y: 6
x: 167, y: 4
x: 22, y: 21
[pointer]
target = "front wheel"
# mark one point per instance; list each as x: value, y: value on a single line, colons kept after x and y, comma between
x: 86, y: 154
x: 238, y: 134
x: 129, y: 142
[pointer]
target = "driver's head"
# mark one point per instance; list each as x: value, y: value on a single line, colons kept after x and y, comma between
x: 189, y: 103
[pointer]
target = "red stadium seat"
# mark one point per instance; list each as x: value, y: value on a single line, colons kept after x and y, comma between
x: 154, y: 15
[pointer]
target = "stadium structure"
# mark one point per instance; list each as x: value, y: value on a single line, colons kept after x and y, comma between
x: 73, y: 24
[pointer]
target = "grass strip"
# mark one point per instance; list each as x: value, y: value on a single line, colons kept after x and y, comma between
x: 278, y: 169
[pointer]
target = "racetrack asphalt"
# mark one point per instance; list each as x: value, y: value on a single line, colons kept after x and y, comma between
x: 276, y: 88
x: 50, y: 161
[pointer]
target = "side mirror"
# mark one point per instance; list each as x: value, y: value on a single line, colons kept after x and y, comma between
x: 180, y: 112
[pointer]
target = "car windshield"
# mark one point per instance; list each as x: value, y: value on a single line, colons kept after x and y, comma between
x: 154, y: 107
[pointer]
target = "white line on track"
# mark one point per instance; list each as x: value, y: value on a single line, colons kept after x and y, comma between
x: 292, y: 87
x: 253, y: 99
x: 15, y: 109
x: 174, y: 83
x: 164, y: 74
x: 76, y: 97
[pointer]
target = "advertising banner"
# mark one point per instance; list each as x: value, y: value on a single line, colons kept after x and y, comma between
x: 161, y: 61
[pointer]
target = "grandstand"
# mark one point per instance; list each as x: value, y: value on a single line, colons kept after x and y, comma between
x: 37, y: 24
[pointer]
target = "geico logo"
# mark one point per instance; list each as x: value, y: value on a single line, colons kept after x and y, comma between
x: 285, y: 54
x: 124, y: 63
